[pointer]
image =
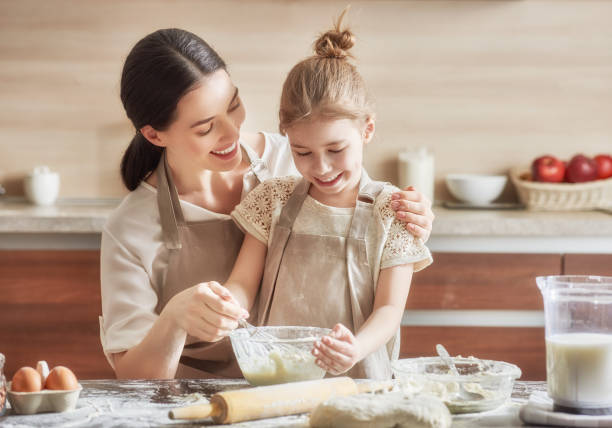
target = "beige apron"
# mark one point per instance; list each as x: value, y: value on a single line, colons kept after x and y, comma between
x: 319, y: 280
x: 198, y: 252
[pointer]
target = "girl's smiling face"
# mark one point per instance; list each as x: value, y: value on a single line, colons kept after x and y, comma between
x: 329, y: 154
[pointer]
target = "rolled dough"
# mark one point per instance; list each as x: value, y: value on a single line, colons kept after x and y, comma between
x: 392, y: 410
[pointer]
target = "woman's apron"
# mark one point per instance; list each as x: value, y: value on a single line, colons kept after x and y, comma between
x: 198, y: 252
x: 315, y: 280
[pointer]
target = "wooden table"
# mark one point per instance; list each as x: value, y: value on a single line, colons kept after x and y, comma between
x: 144, y: 403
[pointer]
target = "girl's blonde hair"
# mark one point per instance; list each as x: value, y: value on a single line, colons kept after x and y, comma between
x: 325, y: 84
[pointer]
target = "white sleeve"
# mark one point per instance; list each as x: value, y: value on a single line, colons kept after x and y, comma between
x: 255, y: 213
x: 128, y: 298
x: 401, y: 247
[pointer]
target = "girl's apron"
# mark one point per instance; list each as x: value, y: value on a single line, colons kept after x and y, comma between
x: 315, y: 280
x: 198, y: 252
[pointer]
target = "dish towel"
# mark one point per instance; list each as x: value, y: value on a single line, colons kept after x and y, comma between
x: 539, y: 410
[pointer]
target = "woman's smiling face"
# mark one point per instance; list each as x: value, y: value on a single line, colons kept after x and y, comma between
x: 329, y: 154
x: 206, y: 129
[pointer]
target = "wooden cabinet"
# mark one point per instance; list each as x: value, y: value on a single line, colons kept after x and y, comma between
x: 49, y: 308
x: 588, y: 264
x: 467, y: 283
x: 50, y: 303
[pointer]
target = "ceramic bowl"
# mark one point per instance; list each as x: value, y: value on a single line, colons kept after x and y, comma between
x: 277, y: 354
x: 491, y: 381
x: 476, y: 189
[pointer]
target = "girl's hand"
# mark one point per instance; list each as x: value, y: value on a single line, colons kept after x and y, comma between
x: 414, y: 209
x: 207, y: 311
x: 337, y: 352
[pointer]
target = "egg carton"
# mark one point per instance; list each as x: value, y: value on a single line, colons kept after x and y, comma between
x: 591, y: 195
x: 46, y: 400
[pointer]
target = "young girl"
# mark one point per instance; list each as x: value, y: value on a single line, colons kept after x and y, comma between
x: 328, y: 246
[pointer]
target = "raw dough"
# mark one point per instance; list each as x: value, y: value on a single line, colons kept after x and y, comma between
x: 281, y: 366
x: 392, y: 410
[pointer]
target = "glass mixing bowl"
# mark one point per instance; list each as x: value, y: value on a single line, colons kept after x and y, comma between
x: 490, y: 382
x: 277, y: 354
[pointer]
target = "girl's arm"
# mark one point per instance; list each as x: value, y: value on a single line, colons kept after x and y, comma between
x: 341, y: 350
x: 245, y: 278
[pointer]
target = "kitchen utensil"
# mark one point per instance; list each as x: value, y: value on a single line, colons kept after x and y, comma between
x: 491, y: 379
x: 255, y: 332
x: 271, y: 401
x: 42, y: 186
x: 285, y: 358
x: 578, y: 323
x: 476, y: 189
x: 461, y: 392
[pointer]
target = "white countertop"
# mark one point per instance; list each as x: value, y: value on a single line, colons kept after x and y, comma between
x: 454, y: 229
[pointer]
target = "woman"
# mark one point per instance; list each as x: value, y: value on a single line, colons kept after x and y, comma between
x: 187, y: 167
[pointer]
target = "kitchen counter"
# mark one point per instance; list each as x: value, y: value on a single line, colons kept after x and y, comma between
x: 78, y: 223
x: 110, y: 403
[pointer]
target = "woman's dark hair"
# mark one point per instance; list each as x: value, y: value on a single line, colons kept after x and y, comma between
x: 158, y: 71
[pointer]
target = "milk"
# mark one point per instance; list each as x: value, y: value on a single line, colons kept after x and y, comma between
x: 579, y: 368
x: 416, y: 168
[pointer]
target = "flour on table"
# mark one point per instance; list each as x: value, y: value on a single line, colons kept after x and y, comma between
x: 392, y: 410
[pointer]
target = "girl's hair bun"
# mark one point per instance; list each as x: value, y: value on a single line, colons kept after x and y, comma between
x: 336, y: 42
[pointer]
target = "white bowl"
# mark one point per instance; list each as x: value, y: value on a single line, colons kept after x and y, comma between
x: 475, y: 188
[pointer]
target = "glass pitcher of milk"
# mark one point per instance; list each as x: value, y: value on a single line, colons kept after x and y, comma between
x: 416, y: 168
x: 578, y: 320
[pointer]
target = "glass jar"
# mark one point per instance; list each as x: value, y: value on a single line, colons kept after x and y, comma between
x: 2, y: 385
x: 578, y: 320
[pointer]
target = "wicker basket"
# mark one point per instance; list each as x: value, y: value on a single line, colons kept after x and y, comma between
x: 562, y: 196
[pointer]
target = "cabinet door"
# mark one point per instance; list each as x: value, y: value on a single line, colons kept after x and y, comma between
x: 49, y: 308
x: 588, y: 264
x: 482, y: 281
x: 486, y: 287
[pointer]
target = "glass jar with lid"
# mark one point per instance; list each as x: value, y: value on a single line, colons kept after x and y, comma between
x: 2, y: 385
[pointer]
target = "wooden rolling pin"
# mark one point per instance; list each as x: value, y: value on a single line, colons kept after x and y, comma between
x: 276, y: 400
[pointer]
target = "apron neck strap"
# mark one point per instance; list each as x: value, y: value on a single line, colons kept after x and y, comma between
x: 368, y: 189
x: 368, y: 192
x: 293, y: 206
x: 170, y: 213
x: 258, y: 166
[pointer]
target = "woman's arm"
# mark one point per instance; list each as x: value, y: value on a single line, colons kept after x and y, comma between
x: 200, y: 311
x: 341, y: 350
x: 414, y: 209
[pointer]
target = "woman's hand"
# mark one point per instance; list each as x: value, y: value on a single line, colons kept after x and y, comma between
x: 207, y: 311
x: 338, y: 352
x: 414, y: 209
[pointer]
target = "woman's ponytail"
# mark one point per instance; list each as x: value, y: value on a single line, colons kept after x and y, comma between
x: 139, y: 160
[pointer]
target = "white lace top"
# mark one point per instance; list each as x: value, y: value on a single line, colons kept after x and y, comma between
x: 389, y: 243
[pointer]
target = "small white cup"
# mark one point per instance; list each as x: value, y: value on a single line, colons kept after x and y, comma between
x: 42, y: 186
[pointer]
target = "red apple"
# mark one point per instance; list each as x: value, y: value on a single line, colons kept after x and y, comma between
x: 547, y: 168
x: 604, y: 166
x: 581, y: 168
